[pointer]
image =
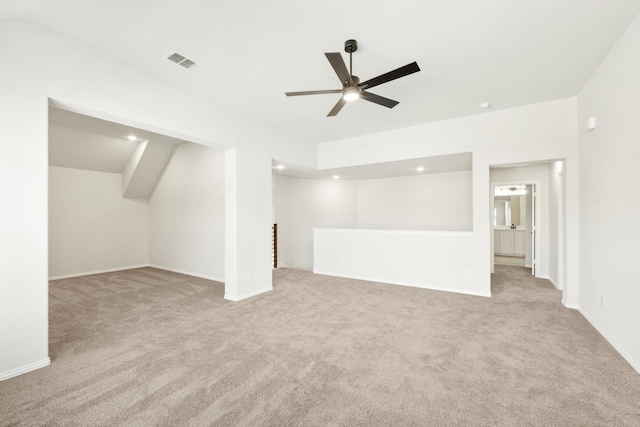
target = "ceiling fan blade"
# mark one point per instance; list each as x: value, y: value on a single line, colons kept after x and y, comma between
x: 391, y: 75
x: 336, y: 109
x: 377, y: 99
x: 313, y: 92
x: 336, y: 61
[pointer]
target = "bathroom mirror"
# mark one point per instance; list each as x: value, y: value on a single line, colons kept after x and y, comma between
x: 510, y: 205
x: 509, y: 210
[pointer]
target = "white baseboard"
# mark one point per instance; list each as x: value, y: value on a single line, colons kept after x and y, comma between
x: 236, y: 298
x: 635, y: 364
x: 571, y: 306
x: 187, y: 273
x: 540, y: 276
x: 410, y: 284
x: 90, y: 273
x: 24, y: 369
x: 131, y: 267
x: 554, y: 283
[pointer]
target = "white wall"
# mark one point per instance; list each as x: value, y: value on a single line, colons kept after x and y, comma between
x: 92, y: 228
x: 423, y: 202
x: 424, y: 259
x: 527, y: 174
x: 540, y: 132
x: 186, y: 213
x: 46, y: 66
x: 609, y: 200
x: 302, y: 204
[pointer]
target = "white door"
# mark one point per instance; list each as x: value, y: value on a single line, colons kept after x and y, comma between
x: 533, y: 230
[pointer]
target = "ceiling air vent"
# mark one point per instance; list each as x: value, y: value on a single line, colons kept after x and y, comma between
x: 182, y: 61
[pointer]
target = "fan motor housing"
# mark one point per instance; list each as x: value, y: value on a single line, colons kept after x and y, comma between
x: 350, y: 46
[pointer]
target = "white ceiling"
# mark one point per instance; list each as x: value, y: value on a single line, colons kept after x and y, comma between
x: 509, y: 53
x: 83, y: 142
x: 77, y: 149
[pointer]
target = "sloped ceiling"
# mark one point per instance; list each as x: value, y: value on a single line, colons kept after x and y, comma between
x: 509, y: 53
x: 82, y: 142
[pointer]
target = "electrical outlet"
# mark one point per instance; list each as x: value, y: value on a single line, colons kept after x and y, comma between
x: 602, y: 302
x: 249, y: 274
x: 469, y: 272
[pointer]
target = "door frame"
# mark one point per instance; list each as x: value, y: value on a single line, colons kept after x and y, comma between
x: 538, y: 211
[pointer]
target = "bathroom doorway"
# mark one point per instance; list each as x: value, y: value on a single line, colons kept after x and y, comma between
x: 514, y: 222
x: 544, y: 237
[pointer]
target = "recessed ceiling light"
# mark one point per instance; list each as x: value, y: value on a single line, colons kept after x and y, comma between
x: 280, y: 167
x: 336, y: 177
x: 420, y: 168
x: 485, y: 105
x: 132, y: 138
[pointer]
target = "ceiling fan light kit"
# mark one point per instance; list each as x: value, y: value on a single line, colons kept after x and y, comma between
x: 351, y: 94
x: 352, y: 89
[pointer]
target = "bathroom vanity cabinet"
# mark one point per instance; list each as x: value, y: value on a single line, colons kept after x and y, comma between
x: 510, y: 242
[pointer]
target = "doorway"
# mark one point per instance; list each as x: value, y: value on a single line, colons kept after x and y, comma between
x: 514, y: 225
x: 544, y: 236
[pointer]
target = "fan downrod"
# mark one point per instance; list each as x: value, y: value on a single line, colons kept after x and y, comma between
x: 350, y: 46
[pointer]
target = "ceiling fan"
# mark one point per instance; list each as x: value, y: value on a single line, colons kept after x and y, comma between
x: 352, y: 89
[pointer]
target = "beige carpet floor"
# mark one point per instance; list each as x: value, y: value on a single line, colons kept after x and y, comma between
x: 149, y: 347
